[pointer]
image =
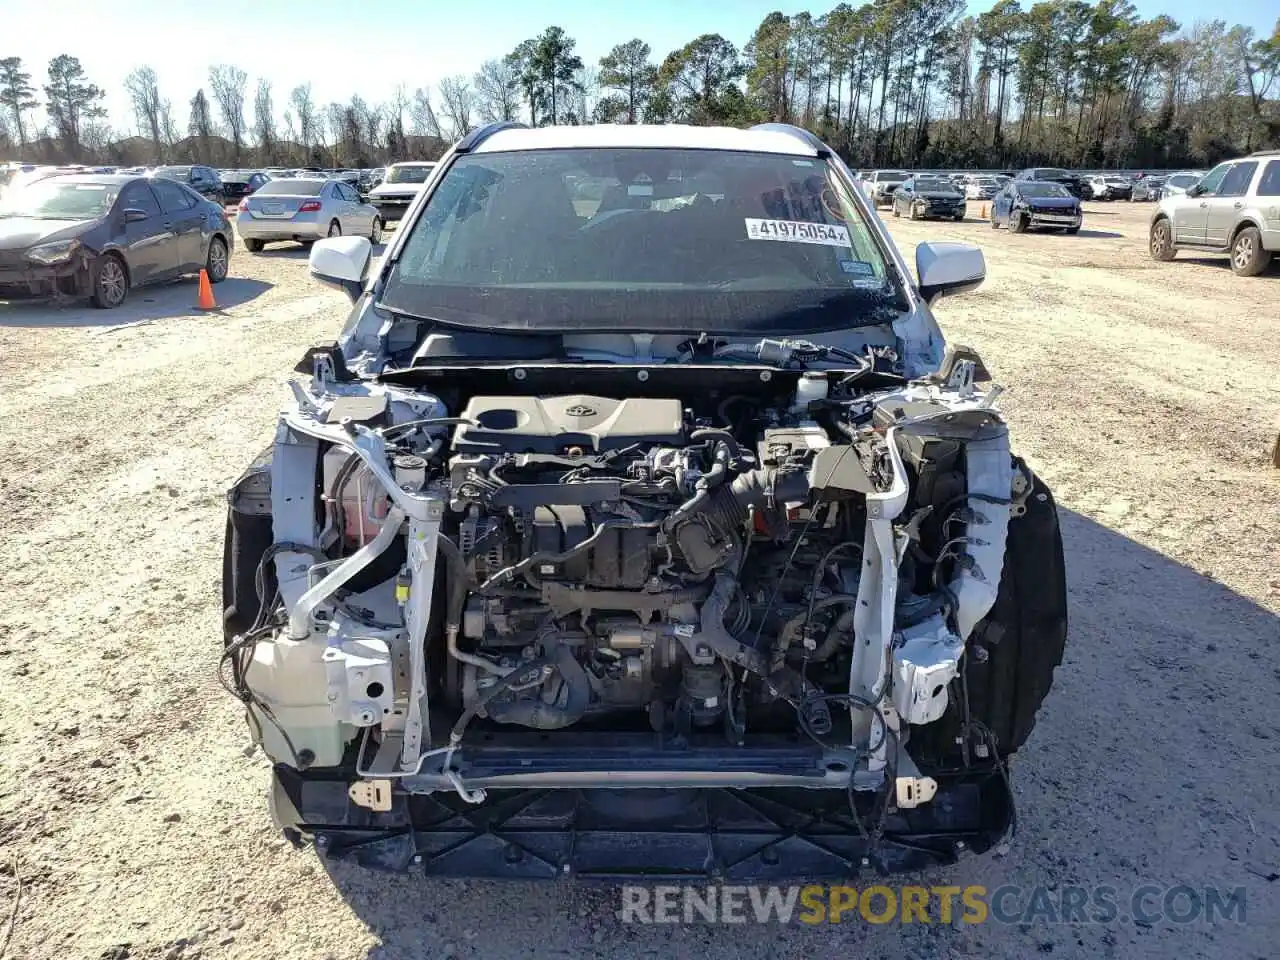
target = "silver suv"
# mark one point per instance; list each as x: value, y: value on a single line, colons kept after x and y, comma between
x: 1234, y: 209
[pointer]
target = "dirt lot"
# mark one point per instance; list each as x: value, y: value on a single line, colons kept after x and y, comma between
x: 1147, y: 394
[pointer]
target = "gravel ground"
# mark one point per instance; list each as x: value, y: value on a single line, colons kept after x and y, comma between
x: 1147, y: 394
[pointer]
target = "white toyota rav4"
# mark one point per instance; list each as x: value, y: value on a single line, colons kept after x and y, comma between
x: 639, y: 522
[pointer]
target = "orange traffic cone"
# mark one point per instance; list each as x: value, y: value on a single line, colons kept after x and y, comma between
x: 205, y: 300
x: 984, y: 211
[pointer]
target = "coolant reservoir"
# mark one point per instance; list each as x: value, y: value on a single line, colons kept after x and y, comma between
x: 364, y: 501
x: 810, y: 387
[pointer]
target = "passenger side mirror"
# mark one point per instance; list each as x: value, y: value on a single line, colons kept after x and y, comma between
x: 945, y: 269
x: 342, y: 262
x: 1195, y: 190
x: 134, y: 215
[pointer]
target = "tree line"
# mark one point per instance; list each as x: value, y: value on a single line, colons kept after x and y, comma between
x: 890, y: 82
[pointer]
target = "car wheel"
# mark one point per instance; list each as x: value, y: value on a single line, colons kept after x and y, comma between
x: 253, y: 246
x: 335, y: 229
x: 375, y: 235
x: 1017, y: 224
x: 1161, y: 242
x: 110, y: 282
x: 218, y: 261
x: 1248, y: 259
x: 896, y: 211
x: 911, y: 214
x: 995, y: 224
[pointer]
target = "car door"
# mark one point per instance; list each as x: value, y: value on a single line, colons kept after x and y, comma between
x: 1191, y: 214
x: 902, y: 197
x: 181, y: 208
x: 139, y: 227
x: 354, y: 222
x: 1227, y: 201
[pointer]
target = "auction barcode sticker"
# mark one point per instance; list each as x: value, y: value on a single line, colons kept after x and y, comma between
x: 795, y: 231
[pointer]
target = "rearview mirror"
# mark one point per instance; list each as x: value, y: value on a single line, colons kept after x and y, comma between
x: 133, y: 215
x: 945, y: 269
x: 342, y: 262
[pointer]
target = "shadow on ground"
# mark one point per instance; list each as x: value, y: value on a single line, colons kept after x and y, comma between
x: 1095, y: 233
x: 1121, y: 747
x: 164, y: 301
x: 289, y: 250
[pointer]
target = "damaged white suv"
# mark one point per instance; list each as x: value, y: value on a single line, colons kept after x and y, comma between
x: 639, y: 522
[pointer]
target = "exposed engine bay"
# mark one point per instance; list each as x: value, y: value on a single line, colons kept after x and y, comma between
x: 746, y: 561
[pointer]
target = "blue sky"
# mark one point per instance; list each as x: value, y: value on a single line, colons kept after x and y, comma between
x: 343, y: 46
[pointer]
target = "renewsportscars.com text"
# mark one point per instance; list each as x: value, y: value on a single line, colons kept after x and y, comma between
x: 1147, y: 904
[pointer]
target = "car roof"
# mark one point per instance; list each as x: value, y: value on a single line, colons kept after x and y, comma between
x: 106, y: 179
x: 669, y: 136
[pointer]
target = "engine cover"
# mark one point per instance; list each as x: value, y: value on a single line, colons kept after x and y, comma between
x: 554, y: 425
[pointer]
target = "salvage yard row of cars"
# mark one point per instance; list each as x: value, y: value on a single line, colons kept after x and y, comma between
x: 79, y: 232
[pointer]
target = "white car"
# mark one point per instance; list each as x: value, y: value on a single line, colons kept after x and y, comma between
x: 562, y: 548
x: 981, y: 188
x: 399, y: 187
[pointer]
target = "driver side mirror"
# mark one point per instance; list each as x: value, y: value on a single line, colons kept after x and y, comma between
x: 342, y: 262
x: 134, y: 215
x: 1195, y: 190
x: 945, y: 269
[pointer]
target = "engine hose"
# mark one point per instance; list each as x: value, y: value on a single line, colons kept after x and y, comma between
x: 720, y: 436
x: 761, y: 490
x: 783, y: 681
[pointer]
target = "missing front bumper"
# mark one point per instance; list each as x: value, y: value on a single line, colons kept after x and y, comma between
x: 721, y: 834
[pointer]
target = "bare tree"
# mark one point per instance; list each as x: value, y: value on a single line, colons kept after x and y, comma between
x: 305, y: 109
x: 335, y: 119
x: 458, y: 103
x: 422, y: 115
x: 264, y: 119
x: 200, y: 124
x: 228, y: 85
x: 144, y: 93
x: 497, y: 86
x: 168, y: 130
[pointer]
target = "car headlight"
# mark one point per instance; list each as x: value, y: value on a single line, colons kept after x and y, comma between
x: 50, y: 253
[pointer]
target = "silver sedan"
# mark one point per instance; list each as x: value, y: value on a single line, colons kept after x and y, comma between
x: 305, y: 210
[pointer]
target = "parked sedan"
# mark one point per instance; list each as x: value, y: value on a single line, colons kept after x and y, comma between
x: 1148, y: 188
x: 981, y: 188
x: 1107, y: 187
x: 924, y: 197
x: 305, y: 210
x: 98, y: 235
x: 237, y: 184
x: 203, y: 180
x: 1034, y: 205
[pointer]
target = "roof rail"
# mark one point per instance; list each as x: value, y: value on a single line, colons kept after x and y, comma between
x: 1265, y: 153
x: 807, y: 137
x: 481, y: 134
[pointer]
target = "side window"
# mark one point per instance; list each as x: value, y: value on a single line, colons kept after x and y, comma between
x: 347, y: 193
x: 1236, y: 182
x: 138, y: 196
x: 1269, y: 185
x: 173, y: 199
x: 1212, y: 180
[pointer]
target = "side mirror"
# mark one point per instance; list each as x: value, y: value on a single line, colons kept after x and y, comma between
x: 945, y: 269
x: 342, y: 262
x: 134, y: 215
x: 1194, y: 190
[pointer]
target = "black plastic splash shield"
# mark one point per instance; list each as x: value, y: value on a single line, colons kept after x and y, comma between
x: 725, y: 835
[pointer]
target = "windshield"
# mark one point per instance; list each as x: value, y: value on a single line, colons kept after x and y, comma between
x: 892, y: 176
x: 641, y: 239
x: 174, y: 173
x: 936, y: 186
x: 1033, y: 188
x: 291, y: 188
x: 414, y: 174
x: 59, y: 200
x: 1053, y: 173
x: 1182, y: 180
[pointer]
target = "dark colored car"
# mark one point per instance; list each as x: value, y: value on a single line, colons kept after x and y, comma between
x: 203, y: 180
x: 1070, y: 181
x: 1035, y: 205
x: 1148, y: 188
x: 924, y: 197
x: 98, y: 235
x: 238, y: 184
